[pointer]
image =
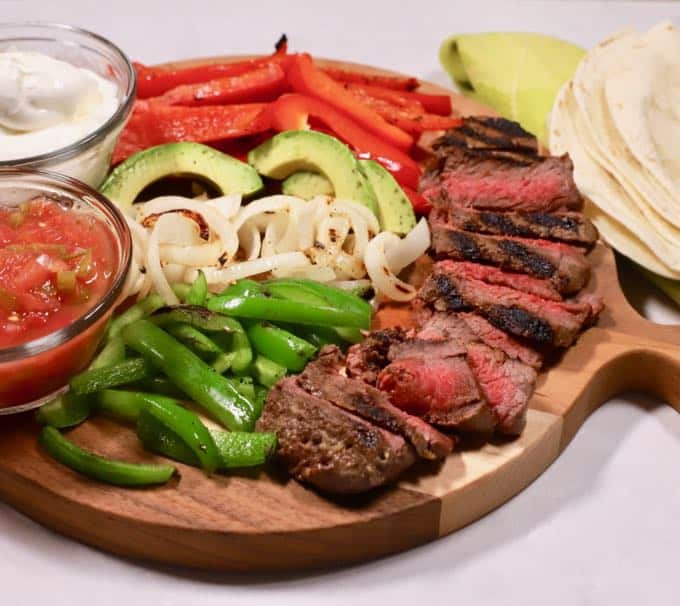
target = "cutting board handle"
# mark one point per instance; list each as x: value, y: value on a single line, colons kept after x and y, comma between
x: 608, y: 363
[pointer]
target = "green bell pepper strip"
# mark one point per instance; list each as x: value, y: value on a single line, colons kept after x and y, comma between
x: 316, y: 293
x: 198, y: 292
x: 100, y: 468
x: 236, y: 449
x: 68, y: 410
x: 139, y: 310
x: 349, y: 334
x: 156, y: 437
x: 112, y: 353
x: 195, y: 340
x: 317, y: 335
x: 282, y: 310
x: 185, y: 425
x: 158, y: 384
x: 167, y: 413
x: 243, y: 385
x: 181, y: 290
x: 120, y: 404
x: 238, y: 344
x: 226, y: 333
x: 267, y: 372
x: 241, y: 449
x: 208, y: 389
x: 279, y: 345
x: 223, y: 362
x: 243, y: 288
x: 96, y: 379
x: 197, y: 316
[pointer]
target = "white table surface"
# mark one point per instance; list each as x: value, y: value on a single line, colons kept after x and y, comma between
x: 601, y: 526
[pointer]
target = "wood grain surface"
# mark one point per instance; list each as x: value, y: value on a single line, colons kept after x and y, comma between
x: 266, y: 521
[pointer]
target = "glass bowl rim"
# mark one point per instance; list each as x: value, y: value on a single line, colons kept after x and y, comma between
x: 124, y: 105
x: 120, y: 231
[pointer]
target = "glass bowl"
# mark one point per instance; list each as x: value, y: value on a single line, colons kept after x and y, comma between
x: 33, y: 372
x: 88, y: 158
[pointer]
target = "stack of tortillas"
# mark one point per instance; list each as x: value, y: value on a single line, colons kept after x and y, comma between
x: 619, y: 119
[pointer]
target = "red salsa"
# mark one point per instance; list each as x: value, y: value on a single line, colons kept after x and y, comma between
x: 56, y: 263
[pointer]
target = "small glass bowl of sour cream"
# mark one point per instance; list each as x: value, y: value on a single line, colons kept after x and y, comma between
x: 65, y: 96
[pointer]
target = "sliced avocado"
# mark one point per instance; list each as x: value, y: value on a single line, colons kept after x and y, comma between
x: 306, y: 185
x: 394, y: 208
x: 305, y: 150
x: 227, y: 174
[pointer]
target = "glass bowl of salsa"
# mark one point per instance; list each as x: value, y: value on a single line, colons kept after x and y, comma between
x: 64, y: 257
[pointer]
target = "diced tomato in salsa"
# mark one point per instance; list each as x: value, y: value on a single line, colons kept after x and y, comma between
x: 56, y: 263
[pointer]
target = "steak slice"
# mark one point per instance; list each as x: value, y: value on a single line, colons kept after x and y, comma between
x: 504, y: 379
x: 506, y: 384
x: 564, y: 266
x: 328, y: 447
x: 365, y: 360
x: 442, y: 391
x: 488, y: 133
x: 321, y: 378
x: 482, y: 180
x: 471, y: 327
x: 571, y: 227
x: 516, y: 312
x: 494, y: 275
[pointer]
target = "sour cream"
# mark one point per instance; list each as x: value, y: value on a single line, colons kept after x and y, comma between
x: 47, y: 104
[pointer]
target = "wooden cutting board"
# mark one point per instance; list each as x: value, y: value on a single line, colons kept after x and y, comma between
x: 265, y: 521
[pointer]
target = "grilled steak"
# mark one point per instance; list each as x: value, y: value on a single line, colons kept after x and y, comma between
x: 483, y: 180
x: 471, y: 327
x: 321, y: 378
x: 505, y: 380
x: 494, y: 275
x: 486, y: 132
x: 328, y: 447
x: 442, y: 391
x: 426, y: 349
x: 520, y: 314
x: 506, y: 384
x: 571, y: 227
x: 565, y: 266
x: 365, y: 360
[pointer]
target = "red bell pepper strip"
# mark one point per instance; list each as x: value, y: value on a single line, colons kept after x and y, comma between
x: 409, y: 116
x: 304, y: 77
x: 265, y: 83
x: 292, y: 112
x: 154, y: 81
x: 154, y: 123
x: 435, y: 104
x: 421, y: 205
x: 403, y: 83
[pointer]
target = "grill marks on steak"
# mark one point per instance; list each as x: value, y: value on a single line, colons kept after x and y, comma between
x: 570, y: 227
x: 489, y: 133
x: 493, y: 275
x: 471, y: 327
x: 566, y: 267
x: 322, y: 378
x: 324, y: 445
x: 518, y: 313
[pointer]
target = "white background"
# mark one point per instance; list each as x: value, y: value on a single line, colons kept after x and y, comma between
x: 601, y: 526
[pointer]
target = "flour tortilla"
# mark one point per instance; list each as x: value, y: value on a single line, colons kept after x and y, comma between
x: 607, y: 145
x: 643, y: 97
x: 611, y: 208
